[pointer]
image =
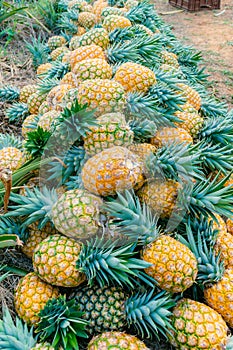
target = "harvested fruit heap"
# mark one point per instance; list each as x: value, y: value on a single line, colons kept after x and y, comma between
x: 126, y: 204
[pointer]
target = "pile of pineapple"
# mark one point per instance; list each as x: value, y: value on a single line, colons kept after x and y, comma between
x: 121, y: 190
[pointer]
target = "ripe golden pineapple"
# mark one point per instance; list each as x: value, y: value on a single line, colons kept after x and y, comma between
x: 43, y: 68
x: 224, y: 244
x: 114, y: 169
x: 219, y: 296
x: 44, y: 108
x: 26, y: 125
x: 118, y: 340
x: 190, y: 95
x: 169, y: 135
x: 31, y: 296
x: 70, y: 79
x: 111, y: 11
x: 104, y: 95
x: 54, y: 259
x: 56, y: 41
x: 160, y: 196
x: 35, y: 236
x: 26, y: 91
x: 191, y: 122
x: 66, y: 57
x: 197, y: 326
x: 229, y: 224
x: 55, y: 96
x: 47, y: 119
x: 34, y: 101
x: 142, y: 150
x: 135, y: 77
x: 11, y: 158
x: 174, y: 266
x: 111, y: 130
x: 85, y: 52
x: 98, y: 7
x: 112, y: 22
x: 169, y: 58
x: 87, y: 19
x: 92, y: 68
x: 58, y: 52
x: 77, y: 4
x: 97, y: 36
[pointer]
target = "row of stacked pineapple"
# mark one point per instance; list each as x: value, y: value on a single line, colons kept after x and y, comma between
x: 133, y: 190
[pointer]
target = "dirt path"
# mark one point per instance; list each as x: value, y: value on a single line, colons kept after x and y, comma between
x: 212, y: 34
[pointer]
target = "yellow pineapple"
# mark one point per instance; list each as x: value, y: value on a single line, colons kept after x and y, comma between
x: 85, y: 52
x: 43, y: 68
x: 77, y: 4
x: 31, y: 296
x: 56, y: 41
x: 118, y: 340
x: 229, y: 224
x: 11, y: 158
x: 55, y: 259
x: 66, y: 57
x: 112, y: 22
x: 58, y: 52
x: 55, y: 96
x: 191, y: 122
x: 219, y: 296
x: 169, y: 135
x: 44, y: 108
x: 47, y: 119
x: 98, y: 7
x: 97, y: 36
x: 27, y: 124
x: 114, y: 169
x: 174, y: 266
x: 87, y: 19
x: 191, y: 96
x: 197, y: 326
x: 160, y: 195
x: 26, y: 91
x: 134, y: 77
x: 70, y: 79
x: 169, y: 58
x: 34, y: 101
x: 111, y: 130
x: 92, y: 68
x: 104, y: 95
x: 142, y: 150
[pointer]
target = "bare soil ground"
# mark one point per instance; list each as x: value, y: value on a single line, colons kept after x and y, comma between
x: 211, y: 32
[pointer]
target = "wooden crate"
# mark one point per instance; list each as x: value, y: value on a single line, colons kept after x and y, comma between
x: 196, y: 5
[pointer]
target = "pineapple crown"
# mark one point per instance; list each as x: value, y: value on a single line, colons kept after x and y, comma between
x: 58, y: 70
x: 46, y: 85
x: 207, y: 197
x: 143, y: 129
x: 61, y: 321
x: 150, y: 313
x: 103, y: 262
x: 131, y: 218
x: 194, y: 75
x: 146, y: 106
x: 15, y: 335
x: 66, y: 23
x: 212, y: 108
x: 201, y: 243
x: 10, y: 226
x: 17, y: 111
x: 9, y: 93
x: 36, y: 142
x: 119, y: 35
x: 39, y: 50
x: 176, y: 161
x: 218, y: 130
x: 67, y: 164
x: 74, y: 122
x: 166, y: 96
x: 216, y: 157
x: 7, y: 140
x: 36, y: 205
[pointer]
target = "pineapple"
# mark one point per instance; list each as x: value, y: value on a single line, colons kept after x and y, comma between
x: 29, y: 124
x: 34, y: 102
x: 170, y: 59
x: 119, y: 340
x: 43, y: 68
x: 9, y: 93
x: 92, y: 68
x: 111, y: 309
x: 114, y: 169
x: 31, y: 296
x: 44, y: 108
x: 191, y: 122
x: 190, y: 95
x: 229, y: 224
x: 73, y: 44
x: 104, y: 95
x: 77, y: 4
x: 46, y: 120
x: 56, y: 53
x: 135, y: 77
x: 107, y: 11
x: 26, y: 91
x: 98, y: 7
x: 87, y: 19
x: 85, y: 52
x: 111, y: 130
x: 197, y: 326
x: 112, y: 22
x: 70, y: 79
x: 219, y: 296
x: 169, y: 135
x: 56, y: 41
x: 55, y: 96
x: 11, y: 152
x: 96, y: 36
x: 160, y: 195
